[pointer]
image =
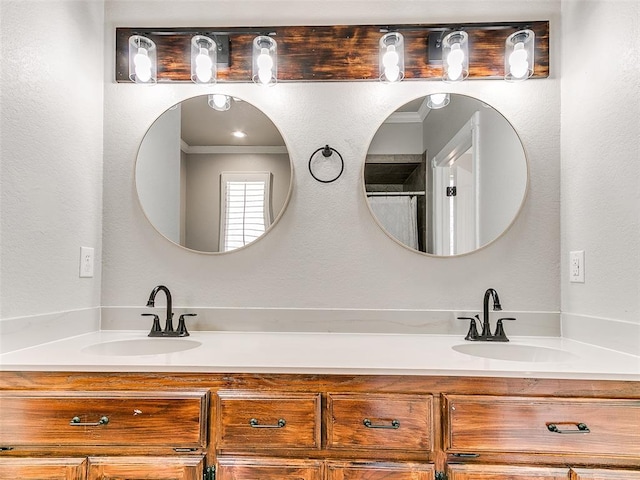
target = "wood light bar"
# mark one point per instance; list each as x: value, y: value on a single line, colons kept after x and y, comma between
x: 334, y: 53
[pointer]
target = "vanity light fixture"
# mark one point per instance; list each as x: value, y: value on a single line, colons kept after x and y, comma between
x: 438, y: 100
x: 142, y: 60
x: 219, y: 102
x: 455, y: 56
x: 265, y: 60
x: 203, y: 60
x: 391, y: 53
x: 519, y: 55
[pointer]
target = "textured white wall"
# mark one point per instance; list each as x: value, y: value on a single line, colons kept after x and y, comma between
x: 327, y: 251
x: 51, y: 78
x: 601, y: 157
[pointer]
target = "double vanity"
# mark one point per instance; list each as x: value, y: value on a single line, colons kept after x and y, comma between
x: 318, y: 406
x: 228, y: 405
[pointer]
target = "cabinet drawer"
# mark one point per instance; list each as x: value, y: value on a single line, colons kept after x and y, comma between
x: 250, y: 420
x: 392, y: 421
x: 42, y: 468
x: 604, y: 474
x: 147, y: 468
x: 268, y: 469
x: 510, y: 472
x: 176, y: 419
x: 379, y: 471
x: 542, y: 425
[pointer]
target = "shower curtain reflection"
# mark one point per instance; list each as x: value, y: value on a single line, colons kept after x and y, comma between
x: 399, y: 216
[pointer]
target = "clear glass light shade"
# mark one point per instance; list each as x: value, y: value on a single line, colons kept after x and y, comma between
x: 265, y: 61
x: 391, y: 62
x: 219, y: 102
x: 519, y: 55
x: 438, y: 100
x: 204, y: 57
x: 143, y: 61
x: 455, y: 56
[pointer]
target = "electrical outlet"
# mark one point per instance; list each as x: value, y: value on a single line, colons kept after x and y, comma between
x: 86, y: 262
x: 576, y: 266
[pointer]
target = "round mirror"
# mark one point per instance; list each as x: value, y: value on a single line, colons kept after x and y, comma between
x: 213, y: 173
x: 445, y: 174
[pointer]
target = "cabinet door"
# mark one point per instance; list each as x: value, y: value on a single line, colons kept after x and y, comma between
x: 379, y: 471
x: 601, y: 474
x: 42, y: 468
x: 505, y: 472
x: 148, y: 468
x: 268, y: 469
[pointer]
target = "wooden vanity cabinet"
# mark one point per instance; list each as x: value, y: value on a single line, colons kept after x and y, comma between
x: 115, y: 424
x: 181, y: 426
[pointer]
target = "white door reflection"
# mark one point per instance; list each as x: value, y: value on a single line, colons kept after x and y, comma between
x: 455, y: 194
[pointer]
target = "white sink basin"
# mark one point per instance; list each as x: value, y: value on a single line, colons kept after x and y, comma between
x: 141, y: 346
x: 514, y: 352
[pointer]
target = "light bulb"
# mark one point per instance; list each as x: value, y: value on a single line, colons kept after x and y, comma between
x: 391, y: 57
x: 142, y: 65
x: 392, y: 73
x: 518, y: 61
x: 390, y: 61
x: 264, y: 70
x: 454, y: 72
x: 437, y: 99
x: 519, y: 56
x: 265, y: 62
x: 264, y: 75
x: 519, y: 70
x: 203, y: 60
x: 456, y: 55
x: 203, y: 66
x: 219, y: 100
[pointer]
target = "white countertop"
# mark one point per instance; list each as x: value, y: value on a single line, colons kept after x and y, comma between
x: 329, y: 353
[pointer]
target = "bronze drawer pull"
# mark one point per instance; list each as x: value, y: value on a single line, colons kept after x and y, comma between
x: 256, y: 424
x: 582, y: 428
x: 395, y: 424
x: 75, y: 422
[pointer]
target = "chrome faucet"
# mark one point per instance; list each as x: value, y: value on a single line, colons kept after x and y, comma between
x: 168, y: 331
x: 499, y: 335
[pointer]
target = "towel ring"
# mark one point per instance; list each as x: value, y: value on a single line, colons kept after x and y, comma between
x: 327, y: 152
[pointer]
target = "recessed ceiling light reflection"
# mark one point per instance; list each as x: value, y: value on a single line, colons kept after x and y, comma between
x: 239, y: 134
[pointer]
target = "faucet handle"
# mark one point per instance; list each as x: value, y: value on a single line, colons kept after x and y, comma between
x: 156, y: 323
x: 500, y: 336
x: 182, y: 327
x: 472, y: 334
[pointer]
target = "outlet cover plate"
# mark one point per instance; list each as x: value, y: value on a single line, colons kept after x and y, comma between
x: 576, y: 266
